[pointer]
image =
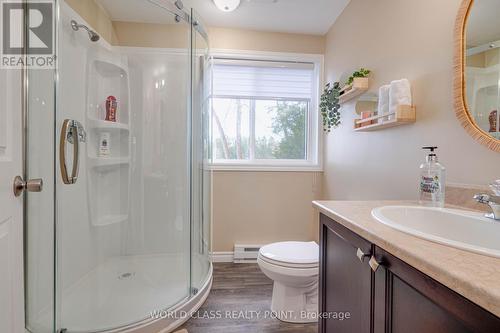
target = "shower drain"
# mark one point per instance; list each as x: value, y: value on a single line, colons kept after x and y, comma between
x: 127, y: 275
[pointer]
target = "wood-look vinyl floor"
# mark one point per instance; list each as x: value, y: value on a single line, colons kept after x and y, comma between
x: 241, y: 287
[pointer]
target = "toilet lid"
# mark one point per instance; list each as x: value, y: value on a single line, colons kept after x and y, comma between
x: 292, y: 252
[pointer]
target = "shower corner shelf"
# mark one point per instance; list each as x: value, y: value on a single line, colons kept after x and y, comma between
x: 100, y: 162
x: 109, y: 69
x: 107, y: 125
x: 109, y: 177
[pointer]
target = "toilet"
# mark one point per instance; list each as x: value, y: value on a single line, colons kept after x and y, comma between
x: 294, y: 268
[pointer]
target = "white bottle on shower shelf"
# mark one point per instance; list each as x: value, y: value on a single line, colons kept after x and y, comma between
x: 104, y: 148
x: 432, y: 181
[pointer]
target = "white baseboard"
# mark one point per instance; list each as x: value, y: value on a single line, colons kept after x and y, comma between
x: 222, y: 256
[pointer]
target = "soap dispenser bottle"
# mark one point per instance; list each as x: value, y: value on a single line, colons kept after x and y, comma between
x: 432, y: 181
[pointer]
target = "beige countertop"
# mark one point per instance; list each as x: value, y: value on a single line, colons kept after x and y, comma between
x: 474, y: 276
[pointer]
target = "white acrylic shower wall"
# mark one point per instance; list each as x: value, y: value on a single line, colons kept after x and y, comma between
x: 160, y: 198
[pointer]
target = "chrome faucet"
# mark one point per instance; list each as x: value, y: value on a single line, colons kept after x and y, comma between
x: 493, y: 201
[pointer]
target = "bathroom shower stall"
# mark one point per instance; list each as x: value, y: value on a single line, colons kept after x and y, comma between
x: 119, y: 238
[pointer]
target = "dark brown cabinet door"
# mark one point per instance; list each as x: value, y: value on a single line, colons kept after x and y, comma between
x: 408, y: 301
x: 345, y: 281
x: 396, y: 298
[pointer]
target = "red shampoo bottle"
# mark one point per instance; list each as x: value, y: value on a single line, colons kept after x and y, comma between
x: 111, y: 106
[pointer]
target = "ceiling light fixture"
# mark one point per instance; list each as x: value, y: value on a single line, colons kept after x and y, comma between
x: 227, y: 5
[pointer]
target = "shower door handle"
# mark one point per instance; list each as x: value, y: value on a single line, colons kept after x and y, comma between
x: 72, y: 131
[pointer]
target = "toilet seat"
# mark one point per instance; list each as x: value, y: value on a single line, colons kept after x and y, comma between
x: 286, y: 264
x: 289, y: 269
x: 299, y: 255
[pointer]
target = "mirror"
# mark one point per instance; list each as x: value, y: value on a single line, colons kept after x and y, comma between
x: 477, y: 81
x: 367, y: 102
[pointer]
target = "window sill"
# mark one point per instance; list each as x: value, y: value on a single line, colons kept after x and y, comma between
x: 264, y: 168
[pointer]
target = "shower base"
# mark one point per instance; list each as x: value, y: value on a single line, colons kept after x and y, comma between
x: 121, y: 294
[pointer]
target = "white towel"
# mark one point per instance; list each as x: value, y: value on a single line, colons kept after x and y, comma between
x: 383, y: 101
x: 399, y: 94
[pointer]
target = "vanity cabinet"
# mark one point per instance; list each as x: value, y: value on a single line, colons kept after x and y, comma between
x: 345, y: 283
x: 384, y: 294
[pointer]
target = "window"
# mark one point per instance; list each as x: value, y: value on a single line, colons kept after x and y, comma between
x: 265, y: 114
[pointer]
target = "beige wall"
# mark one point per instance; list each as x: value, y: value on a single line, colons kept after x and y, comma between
x: 484, y: 59
x: 96, y: 16
x: 152, y: 35
x: 396, y: 39
x: 477, y: 60
x: 223, y: 38
x: 176, y: 36
x: 263, y: 207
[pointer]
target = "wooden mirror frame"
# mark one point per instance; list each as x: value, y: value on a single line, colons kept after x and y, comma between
x: 461, y: 108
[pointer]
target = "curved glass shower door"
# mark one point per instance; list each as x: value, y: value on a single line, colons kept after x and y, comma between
x: 131, y: 184
x: 201, y: 155
x: 121, y: 231
x: 124, y: 226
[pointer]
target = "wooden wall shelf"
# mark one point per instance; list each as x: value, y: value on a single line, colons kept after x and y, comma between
x: 405, y: 114
x: 357, y: 88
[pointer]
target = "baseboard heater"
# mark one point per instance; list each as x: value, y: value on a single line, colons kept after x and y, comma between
x: 246, y: 253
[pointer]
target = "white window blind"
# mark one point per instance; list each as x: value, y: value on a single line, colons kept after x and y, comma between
x: 264, y: 79
x: 265, y: 113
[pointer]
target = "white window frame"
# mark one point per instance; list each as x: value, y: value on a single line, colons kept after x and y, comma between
x: 314, y: 162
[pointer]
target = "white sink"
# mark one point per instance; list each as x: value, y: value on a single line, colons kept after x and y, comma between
x: 464, y: 230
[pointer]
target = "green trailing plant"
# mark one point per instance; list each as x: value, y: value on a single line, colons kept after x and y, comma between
x: 330, y: 106
x: 361, y: 73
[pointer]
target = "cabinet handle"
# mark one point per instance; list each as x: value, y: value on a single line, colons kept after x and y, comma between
x: 374, y: 264
x: 361, y: 255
